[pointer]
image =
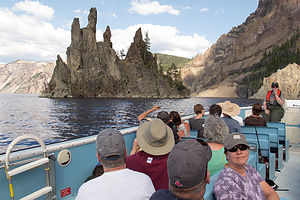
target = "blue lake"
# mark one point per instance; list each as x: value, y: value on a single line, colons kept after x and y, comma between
x: 57, y: 120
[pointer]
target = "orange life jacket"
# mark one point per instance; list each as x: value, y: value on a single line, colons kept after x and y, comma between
x: 269, y: 94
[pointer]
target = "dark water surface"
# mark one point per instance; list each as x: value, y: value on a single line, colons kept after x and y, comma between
x: 57, y: 120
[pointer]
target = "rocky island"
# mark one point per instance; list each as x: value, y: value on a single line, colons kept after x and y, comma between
x: 93, y: 69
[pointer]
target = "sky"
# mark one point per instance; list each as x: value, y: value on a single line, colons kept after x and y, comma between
x: 40, y: 30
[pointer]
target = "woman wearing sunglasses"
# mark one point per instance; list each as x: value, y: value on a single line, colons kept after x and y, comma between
x: 238, y: 180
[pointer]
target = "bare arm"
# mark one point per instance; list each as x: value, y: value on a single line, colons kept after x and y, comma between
x: 268, y: 191
x: 146, y: 113
x: 135, y: 147
x: 279, y: 100
x: 265, y: 107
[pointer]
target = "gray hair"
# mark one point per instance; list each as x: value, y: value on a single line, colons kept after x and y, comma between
x: 215, y: 129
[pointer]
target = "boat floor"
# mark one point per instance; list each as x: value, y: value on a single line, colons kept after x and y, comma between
x: 289, y: 177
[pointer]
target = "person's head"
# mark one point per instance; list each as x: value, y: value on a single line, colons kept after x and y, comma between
x: 236, y: 149
x: 155, y: 137
x: 275, y: 86
x: 111, y: 150
x: 175, y: 118
x: 215, y: 110
x: 164, y: 116
x: 257, y: 109
x: 187, y: 169
x: 199, y: 109
x: 215, y: 129
x: 230, y: 109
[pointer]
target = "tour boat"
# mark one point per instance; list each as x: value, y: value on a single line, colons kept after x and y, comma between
x: 56, y: 171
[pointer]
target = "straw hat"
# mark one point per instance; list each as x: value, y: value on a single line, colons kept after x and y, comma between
x: 229, y: 108
x: 155, y: 137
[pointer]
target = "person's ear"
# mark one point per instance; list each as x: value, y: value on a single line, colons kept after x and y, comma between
x: 98, y: 157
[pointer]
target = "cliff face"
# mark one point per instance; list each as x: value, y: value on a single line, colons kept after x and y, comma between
x: 94, y: 70
x: 289, y: 86
x: 231, y: 59
x: 25, y: 77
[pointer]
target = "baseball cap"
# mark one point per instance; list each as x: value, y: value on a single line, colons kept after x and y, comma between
x: 187, y: 163
x: 234, y: 139
x: 164, y: 116
x: 110, y: 144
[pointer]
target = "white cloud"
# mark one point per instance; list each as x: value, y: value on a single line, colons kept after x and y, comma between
x: 204, y: 10
x: 164, y: 39
x: 146, y: 7
x: 26, y: 36
x: 35, y: 8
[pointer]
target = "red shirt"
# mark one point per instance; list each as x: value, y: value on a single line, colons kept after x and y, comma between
x: 154, y: 166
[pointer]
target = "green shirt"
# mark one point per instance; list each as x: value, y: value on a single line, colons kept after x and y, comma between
x: 217, y: 161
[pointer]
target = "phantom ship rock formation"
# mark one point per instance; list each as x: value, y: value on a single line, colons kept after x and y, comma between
x: 93, y: 68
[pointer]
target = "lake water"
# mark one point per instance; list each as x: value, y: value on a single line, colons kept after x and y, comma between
x: 57, y: 120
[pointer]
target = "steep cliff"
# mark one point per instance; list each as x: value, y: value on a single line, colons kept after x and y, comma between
x: 94, y: 70
x: 25, y: 76
x: 231, y: 61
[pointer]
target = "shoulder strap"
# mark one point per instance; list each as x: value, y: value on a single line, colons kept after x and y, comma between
x: 268, y: 95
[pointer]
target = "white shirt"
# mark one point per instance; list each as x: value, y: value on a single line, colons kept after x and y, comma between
x: 121, y: 184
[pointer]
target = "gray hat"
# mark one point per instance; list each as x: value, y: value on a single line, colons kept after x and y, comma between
x: 164, y: 116
x: 234, y: 139
x: 110, y: 144
x: 155, y: 137
x: 187, y: 163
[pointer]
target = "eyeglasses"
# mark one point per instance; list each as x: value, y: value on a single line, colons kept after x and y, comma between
x: 241, y: 147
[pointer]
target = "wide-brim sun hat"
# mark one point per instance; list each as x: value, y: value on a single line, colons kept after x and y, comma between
x: 229, y: 108
x: 155, y: 137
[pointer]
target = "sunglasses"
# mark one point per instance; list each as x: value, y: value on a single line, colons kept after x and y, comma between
x: 241, y: 147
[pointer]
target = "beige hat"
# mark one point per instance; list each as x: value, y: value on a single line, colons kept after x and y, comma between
x: 229, y: 108
x: 155, y: 137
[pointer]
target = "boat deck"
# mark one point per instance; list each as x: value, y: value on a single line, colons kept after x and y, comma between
x: 289, y: 177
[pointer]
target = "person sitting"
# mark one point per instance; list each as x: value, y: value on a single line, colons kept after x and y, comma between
x: 164, y: 116
x: 197, y: 122
x: 156, y: 140
x: 256, y: 119
x: 111, y: 151
x: 182, y: 127
x: 230, y: 110
x: 215, y: 131
x: 187, y: 170
x: 215, y: 109
x: 238, y: 180
x: 273, y: 103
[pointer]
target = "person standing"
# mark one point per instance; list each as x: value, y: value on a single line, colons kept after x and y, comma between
x: 273, y: 103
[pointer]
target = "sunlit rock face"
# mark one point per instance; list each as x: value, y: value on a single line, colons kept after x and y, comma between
x: 93, y: 68
x: 288, y: 80
x: 25, y: 77
x: 231, y: 60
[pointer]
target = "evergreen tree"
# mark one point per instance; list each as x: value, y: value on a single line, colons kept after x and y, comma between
x: 147, y: 41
